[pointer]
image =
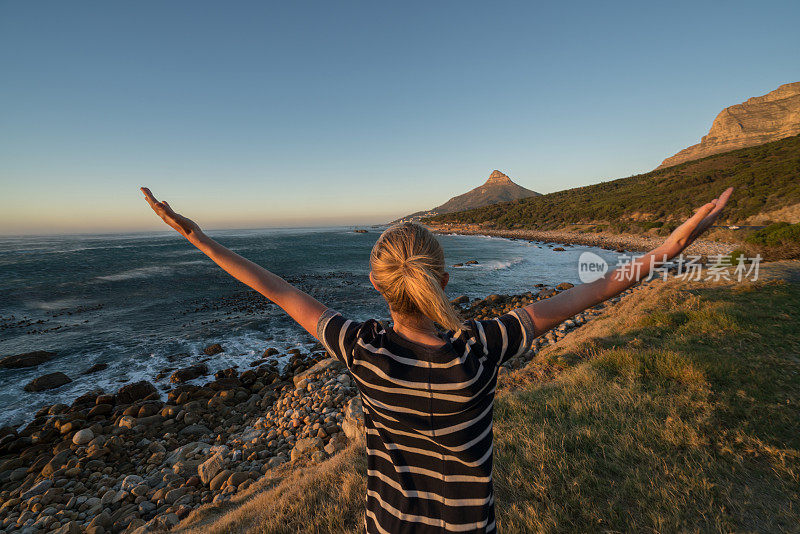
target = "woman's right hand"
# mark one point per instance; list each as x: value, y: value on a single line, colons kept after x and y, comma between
x: 184, y: 226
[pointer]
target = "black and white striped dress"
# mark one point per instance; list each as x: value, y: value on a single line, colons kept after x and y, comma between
x: 428, y: 418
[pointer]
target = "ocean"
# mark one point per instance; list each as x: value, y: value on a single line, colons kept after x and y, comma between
x: 145, y: 302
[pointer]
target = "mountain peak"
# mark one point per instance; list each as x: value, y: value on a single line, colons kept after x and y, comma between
x: 498, y: 177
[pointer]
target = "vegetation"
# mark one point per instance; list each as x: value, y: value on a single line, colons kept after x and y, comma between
x: 766, y: 178
x: 679, y: 410
x: 776, y: 241
x: 776, y: 234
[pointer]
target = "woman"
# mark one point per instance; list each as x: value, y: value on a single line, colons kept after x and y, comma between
x: 428, y: 395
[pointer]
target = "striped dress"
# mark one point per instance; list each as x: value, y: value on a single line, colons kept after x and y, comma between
x: 428, y: 419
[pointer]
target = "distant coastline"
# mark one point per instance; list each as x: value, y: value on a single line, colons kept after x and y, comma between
x: 619, y: 242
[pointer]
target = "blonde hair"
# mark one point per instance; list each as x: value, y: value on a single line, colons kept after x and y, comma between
x: 407, y: 266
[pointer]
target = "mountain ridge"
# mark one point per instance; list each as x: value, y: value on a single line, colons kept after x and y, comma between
x: 757, y: 120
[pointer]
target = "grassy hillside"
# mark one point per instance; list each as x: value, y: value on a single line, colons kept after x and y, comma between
x: 767, y: 177
x: 677, y: 411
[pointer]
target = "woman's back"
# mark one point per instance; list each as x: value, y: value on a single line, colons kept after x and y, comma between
x: 428, y: 419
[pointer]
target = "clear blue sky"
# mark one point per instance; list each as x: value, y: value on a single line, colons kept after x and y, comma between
x: 246, y: 114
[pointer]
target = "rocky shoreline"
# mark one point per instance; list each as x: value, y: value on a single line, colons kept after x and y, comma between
x: 618, y: 242
x: 129, y: 462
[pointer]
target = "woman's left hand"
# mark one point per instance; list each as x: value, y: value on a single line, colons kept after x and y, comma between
x: 186, y: 227
x: 704, y: 217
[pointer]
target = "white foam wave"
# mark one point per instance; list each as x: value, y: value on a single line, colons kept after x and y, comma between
x: 499, y: 265
x: 139, y: 272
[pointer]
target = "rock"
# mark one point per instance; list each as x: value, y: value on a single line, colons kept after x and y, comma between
x: 317, y: 368
x: 544, y: 293
x: 183, y: 452
x: 168, y: 521
x: 211, y: 350
x: 189, y: 373
x: 758, y: 120
x: 564, y: 285
x: 70, y: 527
x: 82, y: 437
x: 57, y: 462
x: 276, y: 461
x: 353, y: 423
x: 126, y: 421
x: 100, y: 410
x: 558, y: 249
x: 95, y: 368
x: 194, y: 430
x: 471, y: 262
x: 28, y: 359
x: 131, y: 481
x: 37, y: 489
x: 219, y: 481
x: 173, y: 495
x: 48, y: 381
x: 305, y: 446
x: 237, y: 479
x: 101, y: 520
x: 463, y: 299
x: 130, y: 393
x: 209, y: 469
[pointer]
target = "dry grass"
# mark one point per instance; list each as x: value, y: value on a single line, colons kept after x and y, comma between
x: 328, y: 497
x: 679, y: 410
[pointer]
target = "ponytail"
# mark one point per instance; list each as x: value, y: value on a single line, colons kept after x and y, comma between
x: 407, y: 264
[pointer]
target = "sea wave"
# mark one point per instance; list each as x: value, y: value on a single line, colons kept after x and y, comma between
x: 139, y: 272
x: 149, y: 271
x: 498, y: 265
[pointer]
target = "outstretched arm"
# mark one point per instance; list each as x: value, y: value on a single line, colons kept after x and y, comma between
x: 302, y: 307
x: 550, y: 312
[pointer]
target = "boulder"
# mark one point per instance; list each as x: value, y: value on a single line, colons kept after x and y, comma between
x: 220, y: 480
x: 463, y: 299
x: 95, y: 368
x: 564, y: 285
x: 48, y: 381
x: 82, y: 437
x: 57, y: 462
x: 305, y: 446
x: 130, y: 482
x: 28, y: 359
x: 353, y: 423
x: 130, y: 393
x: 37, y: 489
x: 189, y: 373
x: 211, y: 350
x: 209, y: 469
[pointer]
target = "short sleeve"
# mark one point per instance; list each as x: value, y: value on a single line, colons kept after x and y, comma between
x: 338, y: 335
x: 507, y: 336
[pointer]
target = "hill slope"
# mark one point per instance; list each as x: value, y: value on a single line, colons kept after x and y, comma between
x: 498, y: 188
x: 674, y: 411
x: 759, y: 120
x: 767, y: 177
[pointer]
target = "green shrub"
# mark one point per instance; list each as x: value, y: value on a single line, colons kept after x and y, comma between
x: 781, y: 233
